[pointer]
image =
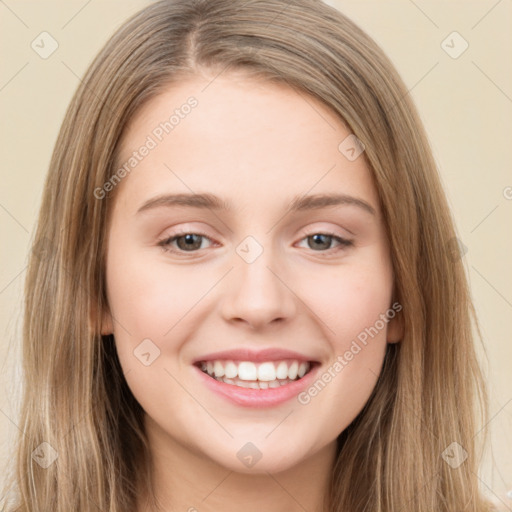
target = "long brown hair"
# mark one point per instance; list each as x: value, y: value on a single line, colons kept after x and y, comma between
x: 75, y: 396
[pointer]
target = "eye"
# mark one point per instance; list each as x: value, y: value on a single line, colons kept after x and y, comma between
x: 322, y: 241
x: 192, y: 242
x: 186, y: 242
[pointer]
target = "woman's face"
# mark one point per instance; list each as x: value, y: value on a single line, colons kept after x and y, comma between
x: 252, y: 259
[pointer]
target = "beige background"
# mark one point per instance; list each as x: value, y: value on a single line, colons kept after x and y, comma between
x: 465, y: 103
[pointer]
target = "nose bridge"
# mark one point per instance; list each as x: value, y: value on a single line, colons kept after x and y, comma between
x: 256, y: 293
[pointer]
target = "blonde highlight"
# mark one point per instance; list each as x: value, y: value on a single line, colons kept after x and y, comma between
x: 76, y: 398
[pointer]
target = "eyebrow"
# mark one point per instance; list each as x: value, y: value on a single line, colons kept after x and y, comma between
x: 213, y: 202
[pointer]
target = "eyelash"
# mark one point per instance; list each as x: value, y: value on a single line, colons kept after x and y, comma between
x: 166, y: 242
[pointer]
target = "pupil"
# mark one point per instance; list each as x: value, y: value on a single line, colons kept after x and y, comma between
x: 325, y: 244
x: 189, y: 241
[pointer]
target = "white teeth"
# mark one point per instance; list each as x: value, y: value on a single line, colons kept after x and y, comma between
x: 271, y: 373
x: 292, y: 371
x: 266, y: 372
x: 240, y: 383
x: 254, y: 384
x: 282, y: 370
x: 247, y: 371
x: 231, y: 370
x: 218, y: 369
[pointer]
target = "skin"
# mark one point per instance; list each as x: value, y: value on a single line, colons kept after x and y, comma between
x: 256, y: 145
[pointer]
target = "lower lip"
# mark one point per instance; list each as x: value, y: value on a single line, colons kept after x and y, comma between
x: 248, y: 397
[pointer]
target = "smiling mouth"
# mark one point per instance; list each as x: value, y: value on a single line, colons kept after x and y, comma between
x: 264, y: 375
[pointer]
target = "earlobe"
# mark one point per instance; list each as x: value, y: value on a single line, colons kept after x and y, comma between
x: 395, y: 329
x: 107, y: 326
x: 104, y: 323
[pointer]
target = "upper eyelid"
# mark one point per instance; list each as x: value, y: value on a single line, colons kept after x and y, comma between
x: 174, y: 236
x: 308, y: 232
x: 311, y: 232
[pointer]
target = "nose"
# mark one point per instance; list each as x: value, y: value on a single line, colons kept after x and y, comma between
x: 258, y: 294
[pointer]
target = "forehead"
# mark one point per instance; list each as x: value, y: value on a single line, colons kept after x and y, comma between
x: 240, y: 134
x: 230, y: 101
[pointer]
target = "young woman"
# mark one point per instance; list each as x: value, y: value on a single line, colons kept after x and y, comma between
x: 244, y: 290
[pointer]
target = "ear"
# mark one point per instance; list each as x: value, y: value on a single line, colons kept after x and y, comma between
x: 105, y: 322
x: 107, y: 326
x: 395, y: 329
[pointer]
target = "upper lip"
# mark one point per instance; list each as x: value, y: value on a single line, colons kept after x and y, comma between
x: 245, y: 354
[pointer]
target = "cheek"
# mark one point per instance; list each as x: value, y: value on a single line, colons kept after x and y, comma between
x: 350, y: 300
x: 149, y: 300
x: 149, y: 305
x: 352, y: 303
